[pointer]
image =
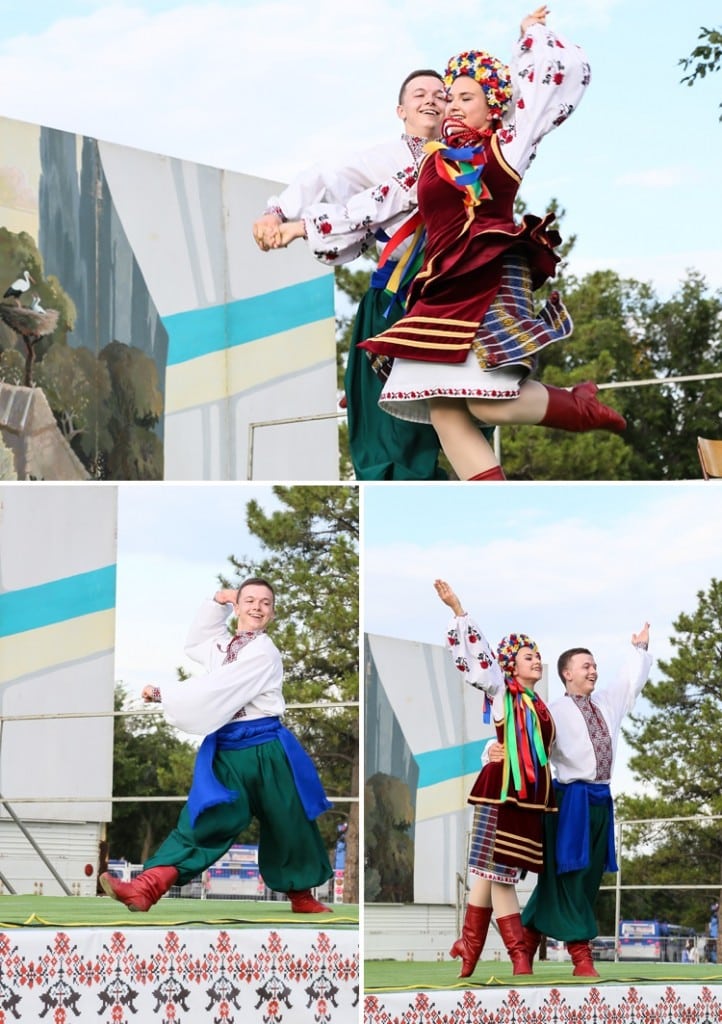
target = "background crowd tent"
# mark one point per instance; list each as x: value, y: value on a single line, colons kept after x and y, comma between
x: 57, y: 630
x: 143, y: 335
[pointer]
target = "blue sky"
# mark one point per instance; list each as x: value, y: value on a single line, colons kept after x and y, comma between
x: 266, y: 88
x: 173, y: 541
x: 571, y: 565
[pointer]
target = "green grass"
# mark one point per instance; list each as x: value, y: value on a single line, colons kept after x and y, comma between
x: 398, y: 976
x: 102, y: 912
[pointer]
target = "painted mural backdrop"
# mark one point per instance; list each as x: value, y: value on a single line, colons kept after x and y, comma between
x: 141, y: 332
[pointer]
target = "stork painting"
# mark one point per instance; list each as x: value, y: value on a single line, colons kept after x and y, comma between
x: 19, y: 286
x: 31, y: 323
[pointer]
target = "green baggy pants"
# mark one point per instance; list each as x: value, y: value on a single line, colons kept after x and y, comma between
x: 562, y: 906
x: 291, y: 853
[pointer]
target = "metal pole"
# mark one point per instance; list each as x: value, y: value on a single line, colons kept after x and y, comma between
x: 280, y: 423
x: 618, y: 892
x: 41, y: 855
x: 7, y: 885
x: 658, y: 381
x: 157, y: 710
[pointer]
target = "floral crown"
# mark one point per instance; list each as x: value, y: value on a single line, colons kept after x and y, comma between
x: 508, y: 649
x: 492, y: 75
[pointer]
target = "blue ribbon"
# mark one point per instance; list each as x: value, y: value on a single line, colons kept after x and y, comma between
x: 207, y: 791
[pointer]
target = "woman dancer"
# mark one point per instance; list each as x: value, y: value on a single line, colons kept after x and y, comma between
x: 509, y: 796
x: 464, y: 350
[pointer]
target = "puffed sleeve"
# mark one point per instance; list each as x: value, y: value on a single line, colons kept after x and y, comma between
x: 550, y: 76
x: 344, y: 207
x: 206, y: 632
x: 338, y: 233
x: 319, y: 184
x: 473, y: 656
x: 620, y: 695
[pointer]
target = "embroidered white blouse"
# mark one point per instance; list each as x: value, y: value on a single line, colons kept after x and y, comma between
x: 201, y: 704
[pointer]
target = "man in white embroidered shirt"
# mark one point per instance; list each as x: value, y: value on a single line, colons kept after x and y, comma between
x: 248, y: 765
x: 579, y: 840
x: 345, y: 209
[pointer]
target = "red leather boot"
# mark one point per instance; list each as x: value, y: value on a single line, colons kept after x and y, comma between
x: 580, y: 409
x: 143, y: 891
x: 473, y: 937
x: 512, y: 934
x: 302, y: 902
x: 495, y: 473
x: 581, y: 954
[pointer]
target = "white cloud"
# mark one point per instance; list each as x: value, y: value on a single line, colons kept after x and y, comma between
x: 659, y: 177
x: 577, y: 577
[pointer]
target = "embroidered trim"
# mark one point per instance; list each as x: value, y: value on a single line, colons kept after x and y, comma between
x: 448, y: 392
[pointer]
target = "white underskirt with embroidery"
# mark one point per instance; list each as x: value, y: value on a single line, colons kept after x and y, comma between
x: 411, y: 383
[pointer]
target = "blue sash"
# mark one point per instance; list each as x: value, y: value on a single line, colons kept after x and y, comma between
x: 572, y: 849
x: 206, y: 790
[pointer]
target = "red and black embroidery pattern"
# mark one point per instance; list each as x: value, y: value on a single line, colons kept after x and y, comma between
x: 179, y: 978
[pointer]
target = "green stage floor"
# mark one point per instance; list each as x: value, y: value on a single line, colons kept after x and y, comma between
x: 103, y: 912
x: 401, y: 976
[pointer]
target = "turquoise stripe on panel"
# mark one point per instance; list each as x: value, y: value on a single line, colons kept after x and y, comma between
x: 450, y: 763
x: 199, y: 332
x: 57, y: 601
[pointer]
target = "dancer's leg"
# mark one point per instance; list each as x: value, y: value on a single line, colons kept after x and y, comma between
x: 529, y: 407
x: 465, y: 446
x: 480, y: 892
x: 504, y: 899
x: 575, y: 410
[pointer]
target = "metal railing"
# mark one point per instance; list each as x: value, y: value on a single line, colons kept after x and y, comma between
x: 252, y: 427
x: 143, y: 711
x: 462, y: 881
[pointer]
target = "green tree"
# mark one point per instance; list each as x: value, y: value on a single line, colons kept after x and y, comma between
x: 683, y: 338
x: 663, y: 852
x: 18, y: 252
x: 705, y: 58
x: 686, y: 702
x: 77, y: 386
x: 351, y: 286
x: 148, y: 760
x: 389, y: 847
x: 12, y: 366
x: 623, y: 333
x: 134, y: 410
x: 312, y: 560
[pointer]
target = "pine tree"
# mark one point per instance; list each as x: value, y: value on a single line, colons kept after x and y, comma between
x: 677, y: 754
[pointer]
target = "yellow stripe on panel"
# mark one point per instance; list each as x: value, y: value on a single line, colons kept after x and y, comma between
x: 205, y: 380
x: 443, y: 798
x: 36, y: 650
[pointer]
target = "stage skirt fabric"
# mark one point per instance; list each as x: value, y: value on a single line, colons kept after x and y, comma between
x: 184, y: 976
x: 693, y: 1003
